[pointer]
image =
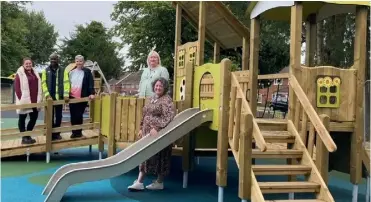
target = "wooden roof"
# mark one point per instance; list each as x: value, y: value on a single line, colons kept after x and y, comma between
x: 221, y: 25
x: 280, y: 10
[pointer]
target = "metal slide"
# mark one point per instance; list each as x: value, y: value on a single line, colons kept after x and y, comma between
x: 128, y: 158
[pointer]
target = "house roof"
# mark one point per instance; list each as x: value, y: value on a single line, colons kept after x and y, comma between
x: 127, y: 78
x: 221, y: 25
x: 285, y: 70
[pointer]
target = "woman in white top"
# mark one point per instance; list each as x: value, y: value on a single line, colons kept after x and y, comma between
x: 154, y: 71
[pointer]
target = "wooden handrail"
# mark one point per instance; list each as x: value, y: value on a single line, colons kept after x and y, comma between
x: 312, y: 115
x: 259, y: 139
x: 22, y: 106
x: 274, y: 76
x: 78, y: 100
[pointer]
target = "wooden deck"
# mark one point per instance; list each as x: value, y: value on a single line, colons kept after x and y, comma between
x: 15, y: 147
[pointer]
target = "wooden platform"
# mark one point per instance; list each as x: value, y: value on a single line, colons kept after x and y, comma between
x: 15, y: 147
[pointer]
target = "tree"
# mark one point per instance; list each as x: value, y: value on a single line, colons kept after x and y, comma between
x: 24, y: 34
x: 95, y: 43
x: 42, y: 37
x: 13, y: 42
x: 144, y: 25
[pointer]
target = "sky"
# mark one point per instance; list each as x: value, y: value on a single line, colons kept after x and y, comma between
x: 65, y: 15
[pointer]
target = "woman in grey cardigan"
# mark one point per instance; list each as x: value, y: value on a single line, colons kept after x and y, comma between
x: 153, y: 71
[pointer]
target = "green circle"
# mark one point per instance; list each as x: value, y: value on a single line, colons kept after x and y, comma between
x: 19, y: 168
x: 40, y: 179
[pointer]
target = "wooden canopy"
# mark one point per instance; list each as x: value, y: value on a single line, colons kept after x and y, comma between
x: 222, y: 27
x: 280, y: 10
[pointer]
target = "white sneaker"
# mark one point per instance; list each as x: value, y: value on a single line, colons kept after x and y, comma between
x: 136, y: 186
x: 155, y: 186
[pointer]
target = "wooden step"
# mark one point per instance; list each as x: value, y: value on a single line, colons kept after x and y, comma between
x: 298, y: 200
x: 278, y: 137
x: 281, y: 169
x: 272, y: 124
x: 288, y: 187
x: 277, y: 154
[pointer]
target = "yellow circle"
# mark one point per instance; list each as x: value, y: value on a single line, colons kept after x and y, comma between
x: 327, y: 81
x: 320, y: 81
x: 336, y: 81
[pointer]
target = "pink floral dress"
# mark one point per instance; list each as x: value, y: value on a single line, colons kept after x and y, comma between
x: 157, y: 114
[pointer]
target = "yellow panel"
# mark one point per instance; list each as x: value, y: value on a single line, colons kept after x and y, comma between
x: 214, y: 70
x: 106, y: 105
x: 97, y: 107
x: 326, y: 83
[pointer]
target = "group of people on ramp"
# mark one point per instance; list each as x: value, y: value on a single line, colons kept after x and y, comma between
x: 56, y: 83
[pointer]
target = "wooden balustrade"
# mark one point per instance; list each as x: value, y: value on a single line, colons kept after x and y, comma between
x: 46, y: 129
x: 319, y: 127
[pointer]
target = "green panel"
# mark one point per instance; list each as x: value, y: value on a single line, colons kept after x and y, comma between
x: 214, y: 70
x: 106, y: 105
x: 206, y: 138
x: 97, y: 110
x: 328, y: 91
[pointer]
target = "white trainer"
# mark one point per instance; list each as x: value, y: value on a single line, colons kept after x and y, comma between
x: 136, y: 186
x: 155, y: 186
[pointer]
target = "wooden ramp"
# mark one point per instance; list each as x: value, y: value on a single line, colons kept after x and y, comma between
x: 15, y: 147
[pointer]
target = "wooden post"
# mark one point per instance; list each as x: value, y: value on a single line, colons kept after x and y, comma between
x: 295, y: 51
x: 111, y: 134
x: 295, y: 54
x: 222, y: 148
x: 178, y: 34
x: 237, y: 126
x: 254, y: 63
x: 100, y: 137
x: 216, y: 52
x: 322, y: 155
x: 245, y: 53
x: 244, y: 157
x: 360, y: 65
x: 232, y: 111
x: 201, y: 33
x: 49, y: 128
x: 187, y: 145
x: 310, y: 44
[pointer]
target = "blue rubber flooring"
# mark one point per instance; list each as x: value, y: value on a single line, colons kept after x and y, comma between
x: 28, y: 185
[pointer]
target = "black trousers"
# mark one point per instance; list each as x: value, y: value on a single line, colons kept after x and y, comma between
x: 77, y: 110
x: 31, y: 123
x: 57, y: 115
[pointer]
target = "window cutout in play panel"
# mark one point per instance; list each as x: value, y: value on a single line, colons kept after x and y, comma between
x: 328, y: 91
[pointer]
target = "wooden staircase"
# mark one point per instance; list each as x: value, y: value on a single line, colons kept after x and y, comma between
x: 302, y: 165
x: 279, y: 141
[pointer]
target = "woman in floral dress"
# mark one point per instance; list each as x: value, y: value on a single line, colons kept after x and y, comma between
x: 157, y: 114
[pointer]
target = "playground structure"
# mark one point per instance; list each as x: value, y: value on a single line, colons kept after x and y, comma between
x: 323, y: 102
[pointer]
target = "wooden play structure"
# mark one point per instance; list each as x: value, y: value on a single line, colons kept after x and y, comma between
x: 323, y: 102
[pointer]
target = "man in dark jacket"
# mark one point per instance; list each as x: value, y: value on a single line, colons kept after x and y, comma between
x: 82, y: 85
x: 55, y: 84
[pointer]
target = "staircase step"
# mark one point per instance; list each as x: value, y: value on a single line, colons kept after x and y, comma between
x: 272, y: 124
x: 281, y: 169
x: 277, y: 154
x: 278, y: 137
x: 288, y: 187
x: 298, y: 200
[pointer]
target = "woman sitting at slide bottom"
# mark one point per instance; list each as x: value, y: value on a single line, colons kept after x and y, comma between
x: 157, y: 114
